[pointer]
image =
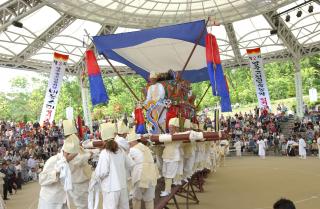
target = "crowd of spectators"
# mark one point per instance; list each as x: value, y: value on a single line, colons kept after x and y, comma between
x: 263, y: 124
x: 24, y: 147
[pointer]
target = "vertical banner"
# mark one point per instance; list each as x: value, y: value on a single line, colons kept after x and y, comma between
x: 259, y: 77
x: 85, y: 106
x: 51, y: 99
x: 69, y: 113
x: 313, y: 95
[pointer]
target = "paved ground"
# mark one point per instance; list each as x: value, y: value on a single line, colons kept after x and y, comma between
x: 244, y: 183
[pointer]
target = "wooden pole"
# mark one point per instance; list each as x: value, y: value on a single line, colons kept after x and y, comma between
x: 194, y: 47
x: 207, y: 135
x: 122, y: 79
x: 203, y: 95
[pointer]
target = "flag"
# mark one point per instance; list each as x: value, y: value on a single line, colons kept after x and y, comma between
x: 215, y: 71
x: 97, y: 89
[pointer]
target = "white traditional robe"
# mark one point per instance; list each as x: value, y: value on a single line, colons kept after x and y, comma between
x: 144, y: 174
x: 318, y: 142
x: 111, y: 170
x: 80, y: 180
x: 302, y: 148
x: 237, y: 145
x: 52, y: 194
x: 262, y: 147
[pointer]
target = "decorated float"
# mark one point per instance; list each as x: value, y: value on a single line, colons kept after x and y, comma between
x: 170, y: 58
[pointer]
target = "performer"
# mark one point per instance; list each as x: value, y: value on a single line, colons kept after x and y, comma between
x: 139, y: 119
x: 302, y: 148
x: 111, y: 170
x: 144, y: 174
x: 189, y: 154
x: 318, y: 143
x: 53, y: 193
x: 122, y: 132
x: 262, y: 148
x: 171, y: 158
x: 80, y: 169
x: 223, y: 150
x: 237, y: 145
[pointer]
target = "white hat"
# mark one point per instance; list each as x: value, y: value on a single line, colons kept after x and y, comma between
x: 71, y: 144
x: 133, y: 137
x: 187, y: 123
x: 108, y: 131
x: 69, y: 127
x: 174, y: 122
x: 153, y: 75
x: 122, y: 128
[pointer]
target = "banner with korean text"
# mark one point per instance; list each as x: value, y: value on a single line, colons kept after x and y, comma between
x: 52, y: 93
x: 259, y: 77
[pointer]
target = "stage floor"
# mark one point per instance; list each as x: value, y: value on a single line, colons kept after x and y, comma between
x: 243, y: 183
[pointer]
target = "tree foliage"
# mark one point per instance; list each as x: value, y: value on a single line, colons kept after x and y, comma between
x: 25, y: 100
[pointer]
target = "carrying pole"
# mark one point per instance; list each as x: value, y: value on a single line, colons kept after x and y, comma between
x: 194, y: 48
x: 122, y: 79
x: 203, y: 96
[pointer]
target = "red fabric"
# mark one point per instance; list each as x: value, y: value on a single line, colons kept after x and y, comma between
x: 80, y: 131
x: 212, y: 49
x: 171, y: 113
x: 92, y: 64
x: 139, y: 117
x: 209, y: 49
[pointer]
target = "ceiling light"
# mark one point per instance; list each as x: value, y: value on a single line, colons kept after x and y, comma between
x: 17, y: 24
x: 310, y: 10
x: 288, y: 18
x: 299, y: 13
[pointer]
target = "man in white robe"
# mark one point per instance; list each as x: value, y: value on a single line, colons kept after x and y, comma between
x: 237, y: 145
x: 122, y: 132
x: 302, y: 148
x: 111, y: 171
x: 144, y: 174
x: 262, y: 148
x: 189, y: 154
x: 318, y: 143
x: 54, y: 188
x: 80, y: 169
x: 171, y: 157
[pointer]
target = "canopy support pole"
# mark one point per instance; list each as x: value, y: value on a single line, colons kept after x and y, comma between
x: 298, y: 85
x: 194, y: 47
x: 203, y: 96
x: 122, y: 79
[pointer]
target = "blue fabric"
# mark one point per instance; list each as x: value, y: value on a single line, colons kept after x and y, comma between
x: 186, y: 32
x: 222, y: 89
x: 212, y: 79
x: 97, y: 90
x: 140, y: 129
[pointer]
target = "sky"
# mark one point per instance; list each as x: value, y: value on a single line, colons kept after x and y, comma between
x: 8, y: 74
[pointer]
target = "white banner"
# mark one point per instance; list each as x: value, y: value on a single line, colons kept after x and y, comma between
x: 85, y: 106
x: 313, y: 95
x: 69, y: 113
x: 259, y: 77
x: 54, y: 85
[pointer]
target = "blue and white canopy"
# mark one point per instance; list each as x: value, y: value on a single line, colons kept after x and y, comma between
x: 159, y: 50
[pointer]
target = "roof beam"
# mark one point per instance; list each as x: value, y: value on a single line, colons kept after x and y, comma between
x: 17, y: 9
x: 55, y: 29
x: 285, y: 34
x: 233, y: 42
